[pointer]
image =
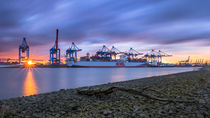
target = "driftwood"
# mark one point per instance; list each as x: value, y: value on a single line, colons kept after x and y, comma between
x: 101, y: 93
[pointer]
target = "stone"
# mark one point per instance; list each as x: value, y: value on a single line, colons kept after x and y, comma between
x: 143, y: 116
x: 76, y: 107
x: 107, y: 112
x: 201, y: 101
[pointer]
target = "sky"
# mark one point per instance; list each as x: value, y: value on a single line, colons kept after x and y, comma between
x: 177, y: 27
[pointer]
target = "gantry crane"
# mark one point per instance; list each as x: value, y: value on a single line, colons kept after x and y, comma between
x: 151, y: 56
x: 23, y: 48
x: 156, y: 56
x: 104, y: 52
x: 162, y: 54
x: 131, y: 54
x: 185, y: 62
x: 114, y: 52
x: 71, y: 53
x: 55, y: 52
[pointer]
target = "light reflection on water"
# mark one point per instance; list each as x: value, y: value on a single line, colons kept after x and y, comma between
x: 16, y: 82
x: 30, y: 87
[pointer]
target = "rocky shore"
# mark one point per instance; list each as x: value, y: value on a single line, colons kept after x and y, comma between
x: 183, y: 95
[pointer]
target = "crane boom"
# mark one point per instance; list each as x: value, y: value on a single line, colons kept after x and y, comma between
x: 56, y: 42
x: 23, y: 48
x: 24, y: 45
x: 71, y: 53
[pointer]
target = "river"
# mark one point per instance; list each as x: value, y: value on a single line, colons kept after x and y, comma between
x: 15, y: 82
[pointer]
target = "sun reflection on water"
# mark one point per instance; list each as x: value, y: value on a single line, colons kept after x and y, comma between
x: 30, y: 87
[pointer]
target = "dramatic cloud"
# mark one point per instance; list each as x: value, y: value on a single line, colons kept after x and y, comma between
x: 95, y: 21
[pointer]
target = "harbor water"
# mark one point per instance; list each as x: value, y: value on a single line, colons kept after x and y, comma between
x: 16, y: 82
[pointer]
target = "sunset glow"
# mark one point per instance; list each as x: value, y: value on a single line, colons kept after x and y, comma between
x: 30, y: 62
x: 144, y: 26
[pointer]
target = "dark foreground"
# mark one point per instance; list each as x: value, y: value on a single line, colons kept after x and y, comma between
x: 178, y: 95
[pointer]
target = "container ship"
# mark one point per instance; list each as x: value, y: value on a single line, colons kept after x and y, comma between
x: 106, y: 64
x: 9, y: 63
x: 4, y: 65
x: 105, y: 57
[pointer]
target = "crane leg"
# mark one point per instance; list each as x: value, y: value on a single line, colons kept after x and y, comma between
x: 59, y: 56
x: 19, y: 55
x: 27, y: 53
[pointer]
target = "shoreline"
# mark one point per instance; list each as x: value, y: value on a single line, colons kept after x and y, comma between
x: 68, y: 103
x: 65, y: 66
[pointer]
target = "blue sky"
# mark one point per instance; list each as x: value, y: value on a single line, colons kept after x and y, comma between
x: 180, y: 27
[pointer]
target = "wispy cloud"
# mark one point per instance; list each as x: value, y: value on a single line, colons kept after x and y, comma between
x: 154, y: 22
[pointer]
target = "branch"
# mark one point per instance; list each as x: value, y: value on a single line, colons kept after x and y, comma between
x: 131, y: 91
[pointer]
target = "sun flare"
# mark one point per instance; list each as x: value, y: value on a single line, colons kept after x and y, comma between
x: 30, y: 63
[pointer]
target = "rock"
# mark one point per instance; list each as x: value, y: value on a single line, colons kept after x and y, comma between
x: 38, y: 115
x: 170, y: 111
x: 143, y: 116
x: 136, y: 108
x: 62, y: 112
x: 57, y: 115
x: 201, y: 101
x: 74, y: 108
x: 107, y: 112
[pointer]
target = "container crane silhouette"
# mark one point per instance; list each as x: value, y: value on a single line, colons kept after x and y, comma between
x: 104, y: 52
x: 131, y: 54
x: 23, y: 48
x: 156, y: 56
x: 162, y: 54
x: 185, y: 62
x: 114, y: 52
x: 55, y: 52
x: 71, y: 53
x: 151, y: 56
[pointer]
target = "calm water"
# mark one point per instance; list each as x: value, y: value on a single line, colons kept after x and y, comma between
x: 16, y: 82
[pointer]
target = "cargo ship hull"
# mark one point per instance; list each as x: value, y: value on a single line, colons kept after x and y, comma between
x: 106, y: 64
